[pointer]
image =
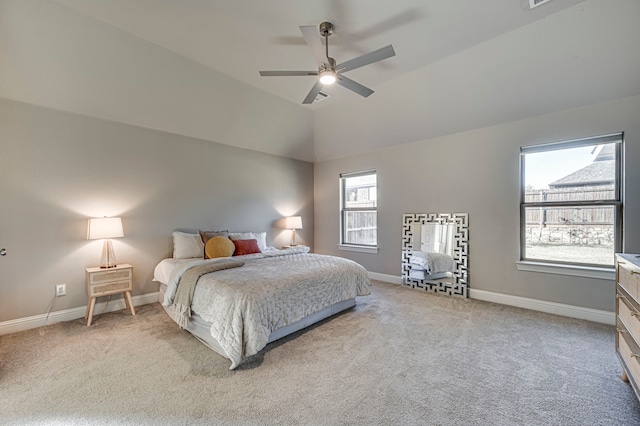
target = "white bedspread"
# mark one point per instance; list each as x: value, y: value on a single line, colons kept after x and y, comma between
x: 244, y: 305
x: 432, y: 263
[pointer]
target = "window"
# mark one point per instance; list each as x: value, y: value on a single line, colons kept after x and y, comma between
x: 359, y: 210
x: 571, y: 203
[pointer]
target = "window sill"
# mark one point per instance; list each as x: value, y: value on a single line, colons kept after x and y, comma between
x: 360, y: 249
x: 576, y: 271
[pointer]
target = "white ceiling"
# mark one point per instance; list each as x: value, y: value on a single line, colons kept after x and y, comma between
x: 241, y: 37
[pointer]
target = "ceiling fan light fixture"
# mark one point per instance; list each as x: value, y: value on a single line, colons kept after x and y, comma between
x: 327, y: 76
x: 328, y: 70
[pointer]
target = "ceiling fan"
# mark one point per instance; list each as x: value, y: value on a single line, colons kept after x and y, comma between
x: 328, y: 71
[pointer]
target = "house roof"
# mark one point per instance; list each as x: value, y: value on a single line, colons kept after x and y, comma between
x: 605, y: 152
x: 597, y: 173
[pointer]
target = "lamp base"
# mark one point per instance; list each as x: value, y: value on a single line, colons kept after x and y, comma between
x: 108, y: 256
x: 294, y: 238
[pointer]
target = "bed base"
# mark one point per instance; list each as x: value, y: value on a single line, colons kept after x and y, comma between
x: 200, y: 328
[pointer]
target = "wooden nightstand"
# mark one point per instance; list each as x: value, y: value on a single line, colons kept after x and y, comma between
x: 103, y: 282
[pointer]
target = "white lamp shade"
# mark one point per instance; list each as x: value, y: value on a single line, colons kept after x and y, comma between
x: 294, y: 222
x: 105, y: 227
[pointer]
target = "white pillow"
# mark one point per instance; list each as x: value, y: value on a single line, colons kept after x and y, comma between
x: 187, y: 245
x: 260, y: 237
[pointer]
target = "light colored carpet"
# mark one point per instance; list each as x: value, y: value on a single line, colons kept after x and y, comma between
x: 402, y: 356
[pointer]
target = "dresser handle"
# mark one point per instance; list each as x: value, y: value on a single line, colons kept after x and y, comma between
x: 634, y: 273
x: 635, y: 314
x: 621, y: 330
x: 635, y: 355
x: 619, y: 296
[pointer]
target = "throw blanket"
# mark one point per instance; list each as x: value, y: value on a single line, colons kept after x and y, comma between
x: 187, y: 287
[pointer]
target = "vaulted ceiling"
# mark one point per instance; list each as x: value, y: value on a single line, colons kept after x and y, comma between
x: 191, y: 67
x: 241, y: 37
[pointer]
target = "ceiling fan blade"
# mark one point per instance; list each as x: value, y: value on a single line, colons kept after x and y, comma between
x: 354, y: 86
x: 287, y: 73
x: 366, y: 59
x: 313, y: 93
x: 312, y: 37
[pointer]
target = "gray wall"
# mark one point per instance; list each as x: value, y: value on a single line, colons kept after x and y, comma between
x: 58, y: 169
x: 53, y: 56
x: 478, y: 172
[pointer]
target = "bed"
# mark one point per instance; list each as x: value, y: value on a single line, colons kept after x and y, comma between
x: 430, y: 266
x: 261, y: 298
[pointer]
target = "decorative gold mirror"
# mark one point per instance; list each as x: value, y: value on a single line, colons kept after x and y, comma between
x: 435, y: 252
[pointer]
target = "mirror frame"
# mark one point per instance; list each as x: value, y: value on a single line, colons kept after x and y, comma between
x: 460, y: 284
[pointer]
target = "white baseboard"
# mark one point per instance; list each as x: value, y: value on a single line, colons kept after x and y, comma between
x: 27, y: 323
x: 385, y: 278
x: 565, y: 310
x: 562, y: 309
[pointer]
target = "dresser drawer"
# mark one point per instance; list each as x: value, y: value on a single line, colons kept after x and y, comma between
x: 629, y: 279
x: 629, y: 315
x: 629, y: 353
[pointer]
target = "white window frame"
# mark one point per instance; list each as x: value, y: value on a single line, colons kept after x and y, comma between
x: 362, y: 248
x: 566, y: 268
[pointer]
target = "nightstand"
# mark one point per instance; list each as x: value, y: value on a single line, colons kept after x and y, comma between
x: 104, y: 282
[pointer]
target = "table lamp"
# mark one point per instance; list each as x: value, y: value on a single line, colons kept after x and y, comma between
x: 293, y: 223
x: 106, y: 228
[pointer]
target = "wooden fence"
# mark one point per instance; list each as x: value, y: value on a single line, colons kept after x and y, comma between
x: 361, y: 228
x: 595, y: 216
x: 570, y: 225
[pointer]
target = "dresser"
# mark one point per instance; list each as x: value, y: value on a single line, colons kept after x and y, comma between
x: 628, y: 317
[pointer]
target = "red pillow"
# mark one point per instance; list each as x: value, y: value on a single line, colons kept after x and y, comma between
x: 245, y: 247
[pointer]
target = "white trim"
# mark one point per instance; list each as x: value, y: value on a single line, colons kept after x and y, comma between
x: 27, y: 323
x: 358, y: 174
x: 360, y: 249
x: 572, y: 311
x: 577, y: 271
x: 573, y: 143
x: 565, y: 310
x: 393, y: 279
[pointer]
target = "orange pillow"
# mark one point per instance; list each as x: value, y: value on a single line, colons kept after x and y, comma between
x: 218, y: 247
x: 245, y: 247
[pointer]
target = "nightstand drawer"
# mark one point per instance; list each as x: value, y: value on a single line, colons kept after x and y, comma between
x: 109, y: 288
x: 629, y: 316
x: 109, y: 276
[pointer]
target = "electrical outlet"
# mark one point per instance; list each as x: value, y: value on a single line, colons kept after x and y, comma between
x: 61, y: 290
